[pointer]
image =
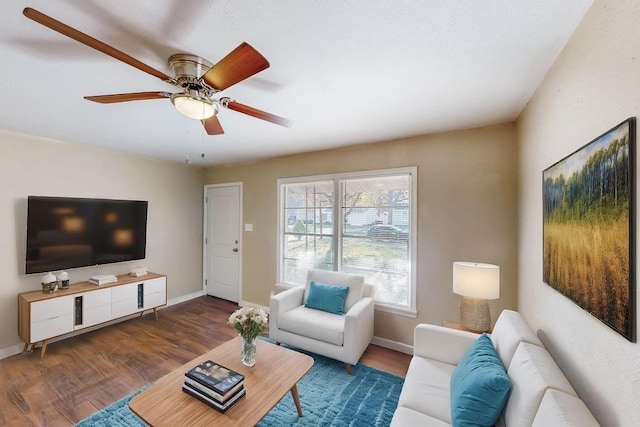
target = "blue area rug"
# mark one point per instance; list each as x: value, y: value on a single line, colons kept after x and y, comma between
x: 116, y: 415
x: 329, y: 397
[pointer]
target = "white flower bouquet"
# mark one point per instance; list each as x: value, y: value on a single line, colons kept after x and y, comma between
x: 249, y: 322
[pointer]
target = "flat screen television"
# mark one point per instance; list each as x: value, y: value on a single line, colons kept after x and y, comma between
x: 65, y: 232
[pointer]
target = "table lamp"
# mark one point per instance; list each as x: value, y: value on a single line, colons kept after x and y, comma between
x: 477, y: 283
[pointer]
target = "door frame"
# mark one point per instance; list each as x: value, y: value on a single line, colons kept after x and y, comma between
x: 204, y: 234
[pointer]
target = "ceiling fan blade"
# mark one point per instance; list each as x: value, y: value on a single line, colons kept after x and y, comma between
x: 241, y: 63
x: 254, y: 112
x: 212, y: 126
x: 124, y: 97
x: 68, y: 31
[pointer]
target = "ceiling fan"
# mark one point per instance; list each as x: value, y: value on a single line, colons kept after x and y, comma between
x: 198, y: 79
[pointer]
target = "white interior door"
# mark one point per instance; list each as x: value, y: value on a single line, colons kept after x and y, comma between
x: 222, y: 241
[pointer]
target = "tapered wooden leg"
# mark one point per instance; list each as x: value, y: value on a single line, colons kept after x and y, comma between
x: 348, y: 368
x: 296, y: 399
x: 26, y: 347
x: 44, y: 348
x: 155, y: 312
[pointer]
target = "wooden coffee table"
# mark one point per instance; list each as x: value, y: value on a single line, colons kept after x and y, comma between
x: 276, y: 372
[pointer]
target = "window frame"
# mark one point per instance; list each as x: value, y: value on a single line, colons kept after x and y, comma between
x: 338, y: 226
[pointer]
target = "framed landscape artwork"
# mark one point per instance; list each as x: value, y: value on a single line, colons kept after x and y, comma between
x: 588, y: 227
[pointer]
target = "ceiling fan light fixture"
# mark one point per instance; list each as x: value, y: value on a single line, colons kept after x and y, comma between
x: 194, y: 106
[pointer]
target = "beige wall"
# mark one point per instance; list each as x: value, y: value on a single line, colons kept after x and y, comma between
x: 466, y: 211
x: 33, y: 166
x: 592, y: 87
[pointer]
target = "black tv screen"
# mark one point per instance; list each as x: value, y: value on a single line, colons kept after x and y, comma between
x: 64, y: 232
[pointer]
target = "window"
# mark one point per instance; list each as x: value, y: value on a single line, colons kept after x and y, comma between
x: 361, y: 223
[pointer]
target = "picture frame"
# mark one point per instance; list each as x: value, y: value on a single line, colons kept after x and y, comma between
x: 589, y: 227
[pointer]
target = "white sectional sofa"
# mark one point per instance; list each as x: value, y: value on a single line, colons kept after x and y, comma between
x: 540, y: 394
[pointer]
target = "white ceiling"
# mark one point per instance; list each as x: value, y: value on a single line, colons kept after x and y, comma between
x: 346, y: 72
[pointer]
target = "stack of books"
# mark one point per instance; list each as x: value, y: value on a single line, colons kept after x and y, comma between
x: 103, y: 279
x: 215, y: 385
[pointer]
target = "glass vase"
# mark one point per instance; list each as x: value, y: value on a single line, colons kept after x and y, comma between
x: 249, y: 351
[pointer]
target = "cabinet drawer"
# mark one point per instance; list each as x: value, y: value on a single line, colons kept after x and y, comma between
x: 124, y: 308
x: 154, y: 300
x: 49, y: 328
x: 155, y: 286
x: 124, y: 293
x: 95, y: 298
x: 52, y: 317
x: 155, y: 292
x: 50, y: 308
x: 94, y: 316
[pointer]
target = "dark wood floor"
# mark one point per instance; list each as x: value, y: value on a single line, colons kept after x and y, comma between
x: 83, y: 374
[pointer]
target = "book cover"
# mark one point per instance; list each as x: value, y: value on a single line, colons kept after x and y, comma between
x: 220, y: 398
x: 205, y: 399
x: 215, y: 376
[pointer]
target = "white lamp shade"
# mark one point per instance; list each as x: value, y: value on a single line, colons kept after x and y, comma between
x: 476, y: 280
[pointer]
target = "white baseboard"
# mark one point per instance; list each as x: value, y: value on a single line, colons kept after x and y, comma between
x: 393, y: 345
x: 243, y: 303
x: 11, y: 351
x: 183, y: 298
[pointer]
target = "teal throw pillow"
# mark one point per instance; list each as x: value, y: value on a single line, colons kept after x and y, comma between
x: 479, y: 386
x: 328, y: 298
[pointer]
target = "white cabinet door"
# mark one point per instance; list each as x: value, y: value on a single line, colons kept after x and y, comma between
x: 155, y: 292
x: 51, y: 317
x: 124, y: 300
x: 96, y: 307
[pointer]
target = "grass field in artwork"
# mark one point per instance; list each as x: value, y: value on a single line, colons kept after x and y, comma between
x: 587, y: 201
x: 589, y: 263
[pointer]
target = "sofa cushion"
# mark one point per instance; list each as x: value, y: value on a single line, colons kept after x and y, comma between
x: 426, y: 388
x: 353, y: 282
x: 315, y: 324
x: 562, y: 409
x: 405, y: 417
x: 329, y: 298
x: 510, y: 330
x: 479, y: 386
x: 532, y: 372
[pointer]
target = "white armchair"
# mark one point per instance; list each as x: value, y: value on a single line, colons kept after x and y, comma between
x: 342, y: 337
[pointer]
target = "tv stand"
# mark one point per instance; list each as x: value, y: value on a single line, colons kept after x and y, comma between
x: 42, y: 317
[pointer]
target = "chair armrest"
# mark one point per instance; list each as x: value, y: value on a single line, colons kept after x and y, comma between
x: 286, y: 300
x: 358, y: 313
x: 442, y: 344
x: 358, y: 328
x: 283, y: 302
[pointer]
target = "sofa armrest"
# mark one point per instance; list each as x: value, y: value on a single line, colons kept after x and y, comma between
x: 442, y: 344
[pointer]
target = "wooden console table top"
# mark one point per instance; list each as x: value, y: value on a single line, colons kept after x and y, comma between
x: 74, y: 288
x: 276, y: 372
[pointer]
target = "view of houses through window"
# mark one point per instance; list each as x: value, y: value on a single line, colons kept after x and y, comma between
x: 356, y: 223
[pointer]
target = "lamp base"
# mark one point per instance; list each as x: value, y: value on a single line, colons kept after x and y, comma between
x: 475, y: 315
